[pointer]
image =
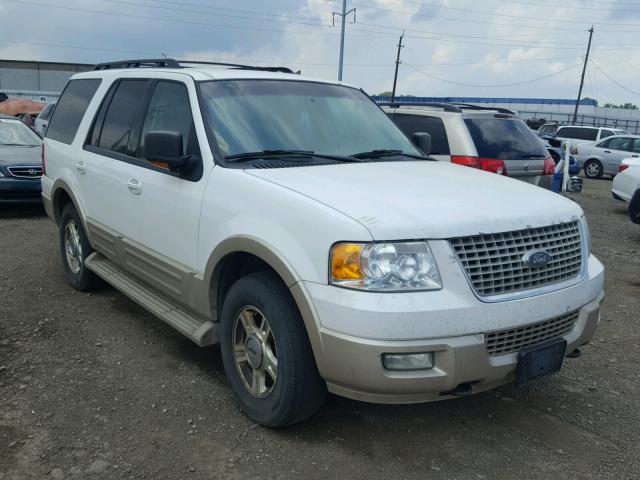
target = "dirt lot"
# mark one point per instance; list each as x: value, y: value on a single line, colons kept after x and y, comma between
x: 92, y: 386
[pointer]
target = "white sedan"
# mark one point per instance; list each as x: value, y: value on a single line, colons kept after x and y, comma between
x: 626, y: 186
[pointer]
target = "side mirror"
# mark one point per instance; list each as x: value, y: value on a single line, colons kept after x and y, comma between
x: 422, y: 140
x: 165, y: 147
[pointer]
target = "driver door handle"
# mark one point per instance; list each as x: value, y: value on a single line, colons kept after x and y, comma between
x: 135, y: 186
x: 81, y: 167
x: 607, y: 151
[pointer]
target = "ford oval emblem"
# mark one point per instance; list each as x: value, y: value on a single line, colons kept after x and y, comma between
x: 537, y: 258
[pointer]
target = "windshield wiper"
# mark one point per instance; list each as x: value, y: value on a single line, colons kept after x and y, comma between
x: 288, y: 154
x: 380, y: 153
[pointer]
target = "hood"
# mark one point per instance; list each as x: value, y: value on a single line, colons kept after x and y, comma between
x: 26, y: 156
x: 425, y: 199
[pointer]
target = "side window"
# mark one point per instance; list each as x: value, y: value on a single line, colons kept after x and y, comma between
x: 621, y: 143
x: 434, y: 126
x: 606, y: 133
x: 567, y: 132
x: 590, y: 134
x: 636, y: 145
x: 169, y: 110
x: 70, y: 109
x: 114, y: 133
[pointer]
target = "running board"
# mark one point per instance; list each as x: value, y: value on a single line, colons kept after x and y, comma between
x: 202, y: 332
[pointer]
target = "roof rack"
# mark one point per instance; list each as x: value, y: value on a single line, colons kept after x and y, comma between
x: 172, y: 63
x: 469, y: 106
x: 447, y: 107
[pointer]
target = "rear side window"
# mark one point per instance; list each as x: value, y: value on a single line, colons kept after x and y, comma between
x: 578, y: 133
x: 70, y: 109
x: 621, y: 143
x: 411, y: 124
x: 504, y: 139
x: 115, y: 121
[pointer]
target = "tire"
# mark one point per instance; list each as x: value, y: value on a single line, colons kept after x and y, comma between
x: 298, y: 391
x: 593, y: 169
x: 75, y: 272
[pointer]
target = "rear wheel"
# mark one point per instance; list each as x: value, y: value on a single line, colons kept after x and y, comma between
x: 266, y: 352
x: 74, y: 249
x: 593, y: 169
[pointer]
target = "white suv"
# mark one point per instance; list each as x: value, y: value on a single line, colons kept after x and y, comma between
x: 492, y: 140
x: 291, y: 221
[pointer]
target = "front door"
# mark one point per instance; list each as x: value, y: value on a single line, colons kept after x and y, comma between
x: 162, y: 208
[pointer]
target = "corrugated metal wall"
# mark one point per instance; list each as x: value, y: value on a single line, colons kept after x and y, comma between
x: 42, y: 81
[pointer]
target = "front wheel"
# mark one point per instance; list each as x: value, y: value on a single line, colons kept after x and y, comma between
x: 593, y: 169
x: 266, y: 352
x: 75, y: 248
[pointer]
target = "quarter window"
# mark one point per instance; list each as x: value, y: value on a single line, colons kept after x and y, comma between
x: 70, y: 109
x: 606, y: 133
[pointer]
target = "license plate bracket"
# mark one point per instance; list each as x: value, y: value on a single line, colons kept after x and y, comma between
x: 539, y: 362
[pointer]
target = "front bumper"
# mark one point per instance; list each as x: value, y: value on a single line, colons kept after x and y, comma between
x: 15, y: 190
x: 356, y: 328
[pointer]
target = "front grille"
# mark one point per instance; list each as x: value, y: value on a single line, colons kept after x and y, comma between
x: 494, y: 262
x: 515, y: 339
x: 25, y: 172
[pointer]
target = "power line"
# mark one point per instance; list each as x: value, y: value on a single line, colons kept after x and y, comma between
x: 624, y: 87
x: 227, y: 15
x: 485, y: 22
x: 493, y: 85
x: 506, y: 15
x: 577, y: 7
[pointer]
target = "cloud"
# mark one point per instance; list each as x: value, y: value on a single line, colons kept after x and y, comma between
x: 504, y: 50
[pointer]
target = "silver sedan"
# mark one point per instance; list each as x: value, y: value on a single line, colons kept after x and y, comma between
x: 604, y: 157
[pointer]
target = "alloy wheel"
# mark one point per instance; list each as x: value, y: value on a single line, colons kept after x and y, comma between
x: 254, y: 351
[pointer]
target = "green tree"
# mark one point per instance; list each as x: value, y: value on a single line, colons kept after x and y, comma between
x: 623, y: 106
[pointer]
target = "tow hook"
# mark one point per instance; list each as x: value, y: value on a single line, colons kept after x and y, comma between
x: 462, y: 390
x: 575, y: 354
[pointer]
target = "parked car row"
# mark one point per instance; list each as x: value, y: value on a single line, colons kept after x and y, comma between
x: 20, y: 162
x: 480, y: 138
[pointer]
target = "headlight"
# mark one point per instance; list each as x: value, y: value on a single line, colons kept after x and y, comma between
x: 384, y: 267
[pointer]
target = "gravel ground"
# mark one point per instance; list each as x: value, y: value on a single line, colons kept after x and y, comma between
x: 92, y: 386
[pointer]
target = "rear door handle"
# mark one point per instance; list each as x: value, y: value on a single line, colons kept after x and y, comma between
x: 81, y: 167
x: 135, y: 186
x: 607, y: 151
x: 634, y: 156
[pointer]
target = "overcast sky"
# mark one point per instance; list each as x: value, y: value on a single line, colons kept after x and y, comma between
x: 453, y: 47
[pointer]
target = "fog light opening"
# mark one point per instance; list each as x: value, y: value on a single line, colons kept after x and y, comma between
x: 407, y: 361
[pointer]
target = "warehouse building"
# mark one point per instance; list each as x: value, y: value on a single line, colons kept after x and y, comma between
x: 39, y: 81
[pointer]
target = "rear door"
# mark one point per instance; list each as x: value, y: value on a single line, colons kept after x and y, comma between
x: 108, y: 147
x: 503, y: 137
x: 614, y: 150
x: 434, y: 126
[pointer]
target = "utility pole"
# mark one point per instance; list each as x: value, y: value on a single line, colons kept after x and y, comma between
x: 344, y: 18
x: 395, y: 76
x: 584, y: 69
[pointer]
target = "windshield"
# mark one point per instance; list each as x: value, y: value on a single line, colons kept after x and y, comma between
x: 266, y: 115
x: 14, y: 132
x: 504, y: 139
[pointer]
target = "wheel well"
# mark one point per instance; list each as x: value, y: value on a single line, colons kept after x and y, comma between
x: 229, y: 270
x: 60, y: 200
